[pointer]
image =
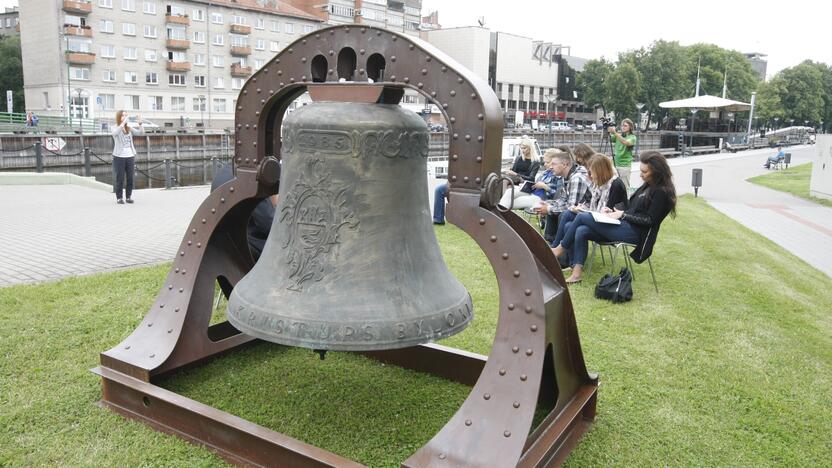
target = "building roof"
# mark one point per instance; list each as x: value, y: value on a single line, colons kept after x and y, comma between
x: 278, y: 7
x: 706, y: 102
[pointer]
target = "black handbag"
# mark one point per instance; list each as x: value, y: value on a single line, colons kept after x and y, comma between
x: 617, y: 288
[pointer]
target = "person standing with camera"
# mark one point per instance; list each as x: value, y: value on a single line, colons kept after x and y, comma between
x: 124, y: 155
x: 623, y: 144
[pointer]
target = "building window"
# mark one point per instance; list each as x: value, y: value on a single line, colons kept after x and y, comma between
x: 105, y: 3
x: 128, y: 5
x: 150, y: 55
x: 46, y: 100
x: 131, y: 77
x: 412, y: 10
x: 198, y: 15
x: 131, y: 102
x: 108, y: 101
x: 395, y: 20
x: 307, y: 28
x: 108, y: 51
x: 259, y: 23
x: 149, y: 31
x: 199, y: 104
x: 177, y: 103
x: 218, y: 61
x: 128, y: 29
x: 131, y: 53
x: 79, y: 44
x: 199, y: 59
x: 274, y: 46
x: 178, y: 33
x: 219, y: 105
x: 199, y: 37
x: 239, y: 61
x: 341, y: 10
x: 289, y: 28
x: 173, y: 10
x: 219, y: 82
x: 199, y: 81
x: 237, y: 19
x: 238, y: 40
x: 258, y: 64
x: 177, y: 56
x: 78, y: 73
x: 149, y: 8
x: 520, y: 91
x: 219, y: 40
x: 105, y: 26
x: 108, y: 75
x: 260, y: 44
x: 151, y: 78
x: 176, y: 79
x: 154, y: 102
x: 216, y: 18
x: 237, y: 83
x: 275, y: 26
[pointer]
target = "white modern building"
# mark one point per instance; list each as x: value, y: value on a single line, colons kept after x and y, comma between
x: 176, y: 62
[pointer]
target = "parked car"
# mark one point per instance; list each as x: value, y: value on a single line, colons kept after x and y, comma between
x: 560, y: 127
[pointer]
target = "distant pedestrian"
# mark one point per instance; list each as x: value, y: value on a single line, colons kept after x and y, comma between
x: 776, y: 159
x: 623, y: 144
x: 124, y: 155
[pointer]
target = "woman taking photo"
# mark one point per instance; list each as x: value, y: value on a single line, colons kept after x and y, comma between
x: 608, y: 191
x: 622, y: 145
x: 124, y: 155
x: 649, y: 205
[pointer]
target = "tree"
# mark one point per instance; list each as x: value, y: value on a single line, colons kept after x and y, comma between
x: 591, y: 81
x: 768, y: 105
x: 623, y: 88
x: 12, y: 76
x: 803, y: 99
x: 664, y: 71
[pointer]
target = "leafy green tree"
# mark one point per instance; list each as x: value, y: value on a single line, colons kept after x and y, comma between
x: 591, y: 81
x: 716, y: 62
x: 12, y: 71
x: 768, y: 105
x: 623, y: 88
x: 664, y: 76
x: 803, y: 99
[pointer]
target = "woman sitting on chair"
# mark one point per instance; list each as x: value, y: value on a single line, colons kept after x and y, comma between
x: 639, y: 224
x: 608, y: 191
x: 545, y: 186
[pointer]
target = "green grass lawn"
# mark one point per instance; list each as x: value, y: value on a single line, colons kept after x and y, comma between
x: 794, y: 180
x: 729, y: 364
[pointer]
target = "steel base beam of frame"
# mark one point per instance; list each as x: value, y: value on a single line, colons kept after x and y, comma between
x: 536, y: 358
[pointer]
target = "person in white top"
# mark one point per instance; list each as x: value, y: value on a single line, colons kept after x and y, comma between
x: 124, y: 155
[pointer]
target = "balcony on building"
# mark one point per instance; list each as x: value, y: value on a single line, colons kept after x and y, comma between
x: 240, y: 29
x: 239, y: 70
x: 178, y: 66
x: 82, y: 31
x: 80, y: 58
x: 240, y: 50
x: 178, y: 44
x: 177, y: 19
x: 78, y: 7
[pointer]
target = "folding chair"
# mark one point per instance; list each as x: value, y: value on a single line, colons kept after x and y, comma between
x: 623, y: 246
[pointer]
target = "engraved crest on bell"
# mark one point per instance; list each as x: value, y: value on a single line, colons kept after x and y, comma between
x: 316, y: 212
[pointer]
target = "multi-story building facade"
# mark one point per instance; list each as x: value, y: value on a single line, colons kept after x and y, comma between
x: 396, y: 15
x: 9, y: 22
x: 174, y: 61
x: 758, y: 63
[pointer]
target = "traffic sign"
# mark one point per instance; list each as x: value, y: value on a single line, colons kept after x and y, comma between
x: 54, y: 143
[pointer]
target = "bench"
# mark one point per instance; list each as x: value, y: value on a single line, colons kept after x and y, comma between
x: 736, y: 147
x: 669, y: 152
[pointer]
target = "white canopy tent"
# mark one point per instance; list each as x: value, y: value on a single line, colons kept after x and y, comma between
x: 707, y: 103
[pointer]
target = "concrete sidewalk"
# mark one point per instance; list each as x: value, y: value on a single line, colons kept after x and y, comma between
x: 48, y: 232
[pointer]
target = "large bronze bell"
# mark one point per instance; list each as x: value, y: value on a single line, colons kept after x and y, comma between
x: 352, y: 262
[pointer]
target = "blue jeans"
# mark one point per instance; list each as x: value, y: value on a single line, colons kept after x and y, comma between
x: 439, y: 195
x: 564, y: 221
x: 585, y: 229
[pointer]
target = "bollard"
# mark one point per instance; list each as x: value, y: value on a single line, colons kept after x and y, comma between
x: 167, y: 174
x: 87, y: 164
x: 696, y: 181
x: 788, y: 160
x: 38, y: 156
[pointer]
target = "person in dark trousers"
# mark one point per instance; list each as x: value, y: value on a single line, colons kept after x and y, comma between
x: 639, y: 224
x: 124, y: 155
x: 575, y: 191
x: 260, y: 222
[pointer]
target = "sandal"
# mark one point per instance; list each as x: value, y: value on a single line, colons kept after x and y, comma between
x: 573, y: 281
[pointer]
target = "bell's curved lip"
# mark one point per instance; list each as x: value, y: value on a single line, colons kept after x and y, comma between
x: 348, y: 336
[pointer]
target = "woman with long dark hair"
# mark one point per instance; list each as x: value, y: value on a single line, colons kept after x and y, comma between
x: 124, y: 155
x: 649, y: 205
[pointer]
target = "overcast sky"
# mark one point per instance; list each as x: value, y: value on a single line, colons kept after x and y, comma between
x: 788, y: 32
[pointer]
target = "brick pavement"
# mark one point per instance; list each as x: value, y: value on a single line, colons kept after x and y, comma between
x: 49, y: 232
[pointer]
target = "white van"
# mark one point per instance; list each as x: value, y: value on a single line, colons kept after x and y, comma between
x: 560, y: 127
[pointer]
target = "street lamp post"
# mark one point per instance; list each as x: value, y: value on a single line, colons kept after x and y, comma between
x: 78, y: 106
x: 692, y: 121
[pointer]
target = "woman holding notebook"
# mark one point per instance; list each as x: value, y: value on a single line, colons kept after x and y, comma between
x: 638, y: 224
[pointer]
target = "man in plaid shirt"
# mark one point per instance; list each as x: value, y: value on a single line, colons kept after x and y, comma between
x: 575, y: 191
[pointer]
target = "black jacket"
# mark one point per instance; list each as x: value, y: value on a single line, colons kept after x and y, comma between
x: 526, y: 168
x: 648, y: 208
x: 618, y: 195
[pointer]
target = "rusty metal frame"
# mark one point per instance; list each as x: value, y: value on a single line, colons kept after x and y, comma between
x: 536, y: 355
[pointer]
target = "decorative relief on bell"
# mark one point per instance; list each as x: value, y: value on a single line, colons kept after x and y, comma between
x: 316, y: 211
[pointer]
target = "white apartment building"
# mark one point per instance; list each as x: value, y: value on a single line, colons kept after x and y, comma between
x: 395, y: 15
x: 173, y: 61
x: 522, y: 71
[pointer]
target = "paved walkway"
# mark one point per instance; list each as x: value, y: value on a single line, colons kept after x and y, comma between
x: 51, y: 232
